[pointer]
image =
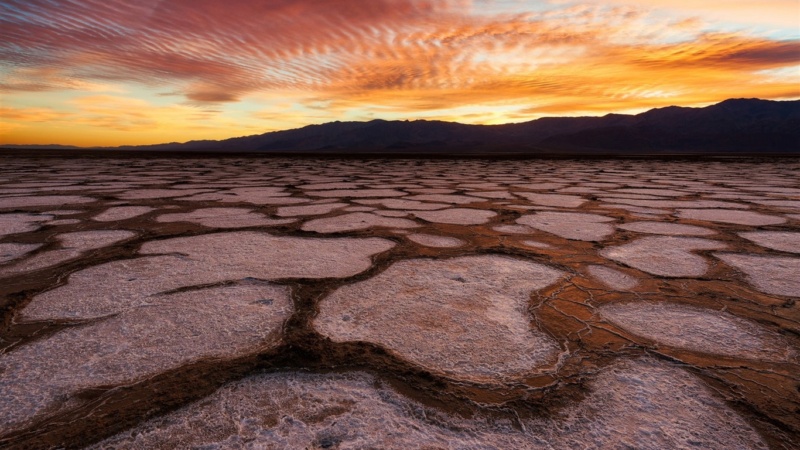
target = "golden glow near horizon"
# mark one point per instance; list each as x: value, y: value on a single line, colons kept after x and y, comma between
x: 107, y: 72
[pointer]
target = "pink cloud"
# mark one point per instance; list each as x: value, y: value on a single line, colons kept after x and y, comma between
x: 424, y: 54
x: 234, y: 45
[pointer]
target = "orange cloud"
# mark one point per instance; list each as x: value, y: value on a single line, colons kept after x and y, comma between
x: 398, y: 57
x: 30, y: 114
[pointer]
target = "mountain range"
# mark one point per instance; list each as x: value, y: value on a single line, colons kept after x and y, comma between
x: 736, y: 127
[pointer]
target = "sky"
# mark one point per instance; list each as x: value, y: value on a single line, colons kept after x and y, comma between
x: 108, y: 72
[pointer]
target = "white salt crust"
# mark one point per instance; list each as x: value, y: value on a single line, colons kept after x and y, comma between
x: 536, y: 244
x: 784, y: 204
x: 333, y: 185
x: 254, y: 195
x: 357, y: 193
x: 657, y: 192
x: 403, y: 204
x: 73, y: 245
x: 63, y: 212
x: 564, y: 201
x: 430, y: 190
x: 445, y: 198
x: 308, y: 210
x: 651, y: 217
x: 636, y: 209
x: 643, y: 404
x: 479, y: 186
x: 44, y: 200
x: 731, y: 216
x: 666, y: 228
x: 390, y: 213
x: 457, y: 216
x: 355, y: 221
x: 465, y: 318
x: 358, y: 209
x: 514, y: 229
x: 579, y: 190
x: 121, y: 213
x: 784, y: 241
x: 770, y: 274
x: 699, y: 330
x: 141, y: 194
x: 492, y: 194
x: 21, y: 223
x: 612, y: 278
x: 430, y: 240
x: 664, y: 255
x: 601, y: 185
x: 649, y: 404
x: 224, y: 218
x: 12, y: 251
x: 200, y: 260
x: 64, y: 222
x: 91, y: 240
x: 773, y: 189
x: 710, y: 204
x: 612, y: 196
x: 171, y: 330
x: 576, y: 226
x: 539, y: 186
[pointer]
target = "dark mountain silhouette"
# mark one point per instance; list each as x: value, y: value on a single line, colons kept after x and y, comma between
x: 737, y: 126
x: 733, y: 126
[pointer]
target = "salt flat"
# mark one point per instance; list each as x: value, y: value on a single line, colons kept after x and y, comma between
x: 302, y: 303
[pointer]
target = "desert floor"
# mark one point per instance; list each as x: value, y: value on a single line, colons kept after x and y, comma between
x: 325, y: 303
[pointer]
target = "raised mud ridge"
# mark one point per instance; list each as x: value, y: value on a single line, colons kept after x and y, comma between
x: 277, y: 303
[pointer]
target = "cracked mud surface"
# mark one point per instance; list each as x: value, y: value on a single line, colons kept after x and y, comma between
x: 277, y: 303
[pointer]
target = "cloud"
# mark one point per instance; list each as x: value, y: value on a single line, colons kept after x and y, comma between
x: 31, y: 114
x: 773, y: 13
x: 725, y: 52
x: 44, y: 78
x: 210, y: 94
x: 236, y: 46
x: 397, y: 56
x: 15, y: 119
x: 764, y: 54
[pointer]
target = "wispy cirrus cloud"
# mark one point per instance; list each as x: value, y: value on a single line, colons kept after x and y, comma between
x: 774, y: 14
x: 389, y: 57
x: 215, y: 50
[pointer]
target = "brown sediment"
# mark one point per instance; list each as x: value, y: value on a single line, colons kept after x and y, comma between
x: 763, y: 391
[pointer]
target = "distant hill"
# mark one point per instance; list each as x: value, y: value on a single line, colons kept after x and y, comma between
x: 737, y: 126
x: 733, y: 126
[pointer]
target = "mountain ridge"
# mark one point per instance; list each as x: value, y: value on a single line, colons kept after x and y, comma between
x: 734, y: 126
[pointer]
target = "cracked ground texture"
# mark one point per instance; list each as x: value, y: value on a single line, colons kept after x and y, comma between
x: 243, y: 302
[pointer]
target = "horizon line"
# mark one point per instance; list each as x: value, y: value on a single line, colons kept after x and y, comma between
x: 606, y: 114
